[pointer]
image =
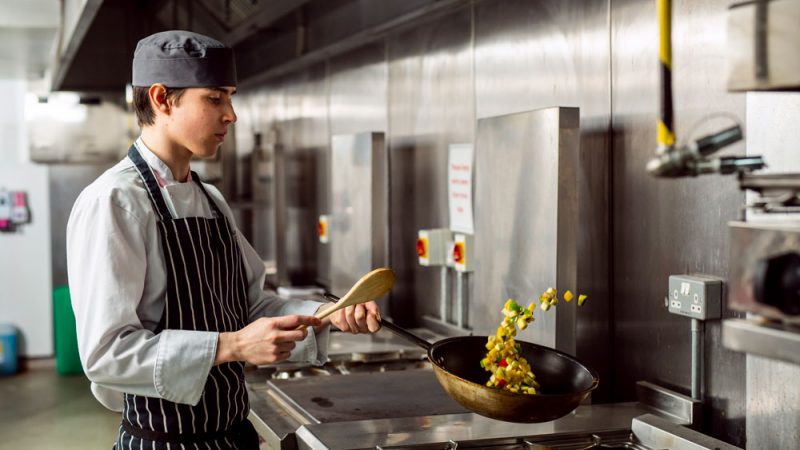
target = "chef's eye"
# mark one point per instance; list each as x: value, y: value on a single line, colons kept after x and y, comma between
x: 215, y: 100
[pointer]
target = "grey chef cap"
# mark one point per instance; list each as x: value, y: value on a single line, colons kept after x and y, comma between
x: 182, y: 59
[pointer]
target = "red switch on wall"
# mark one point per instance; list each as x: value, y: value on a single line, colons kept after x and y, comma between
x: 458, y: 253
x: 322, y: 229
x: 422, y: 248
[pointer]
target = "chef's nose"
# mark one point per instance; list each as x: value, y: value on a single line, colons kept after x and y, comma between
x: 230, y: 114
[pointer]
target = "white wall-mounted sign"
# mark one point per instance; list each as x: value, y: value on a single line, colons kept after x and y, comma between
x: 459, y: 187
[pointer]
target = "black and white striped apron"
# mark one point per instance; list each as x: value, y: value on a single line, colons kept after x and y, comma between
x: 207, y: 291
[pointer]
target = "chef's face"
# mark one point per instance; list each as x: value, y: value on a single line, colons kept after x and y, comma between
x: 199, y: 120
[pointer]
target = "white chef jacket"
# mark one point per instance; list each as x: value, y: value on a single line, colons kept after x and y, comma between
x: 117, y: 282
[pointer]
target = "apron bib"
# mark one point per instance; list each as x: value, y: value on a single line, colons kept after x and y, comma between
x: 206, y: 291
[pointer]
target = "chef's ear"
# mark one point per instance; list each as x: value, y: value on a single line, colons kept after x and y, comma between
x: 158, y: 98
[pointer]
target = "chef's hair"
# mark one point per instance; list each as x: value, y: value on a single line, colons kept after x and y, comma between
x: 145, y: 115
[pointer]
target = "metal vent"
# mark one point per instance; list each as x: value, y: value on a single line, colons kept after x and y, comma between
x: 232, y: 13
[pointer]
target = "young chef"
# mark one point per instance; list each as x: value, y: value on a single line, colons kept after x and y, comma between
x: 167, y: 293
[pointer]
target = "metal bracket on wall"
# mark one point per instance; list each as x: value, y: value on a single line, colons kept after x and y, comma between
x: 683, y: 409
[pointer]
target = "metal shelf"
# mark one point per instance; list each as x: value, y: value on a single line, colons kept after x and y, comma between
x: 763, y: 339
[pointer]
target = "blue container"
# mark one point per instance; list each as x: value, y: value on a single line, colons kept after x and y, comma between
x: 8, y: 350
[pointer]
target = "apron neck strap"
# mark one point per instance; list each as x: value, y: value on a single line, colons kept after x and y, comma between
x: 150, y: 183
x: 196, y: 179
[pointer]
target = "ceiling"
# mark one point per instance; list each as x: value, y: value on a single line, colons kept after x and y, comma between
x: 28, y: 33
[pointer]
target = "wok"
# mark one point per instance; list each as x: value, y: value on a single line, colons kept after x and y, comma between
x: 564, y: 380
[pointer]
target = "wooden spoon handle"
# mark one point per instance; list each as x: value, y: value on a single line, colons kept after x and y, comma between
x: 324, y: 311
x: 370, y: 287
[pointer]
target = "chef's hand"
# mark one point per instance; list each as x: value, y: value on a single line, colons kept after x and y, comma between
x: 361, y: 318
x: 266, y: 340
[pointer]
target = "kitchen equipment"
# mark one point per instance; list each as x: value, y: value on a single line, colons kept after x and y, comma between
x: 296, y: 406
x: 371, y: 286
x: 8, y: 350
x: 369, y: 395
x: 600, y: 427
x: 68, y: 359
x: 565, y: 381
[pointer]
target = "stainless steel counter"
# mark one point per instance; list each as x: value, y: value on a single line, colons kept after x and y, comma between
x: 415, y: 431
x: 276, y: 421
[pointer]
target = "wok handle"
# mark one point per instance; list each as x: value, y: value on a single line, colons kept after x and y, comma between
x: 403, y: 333
x: 396, y: 329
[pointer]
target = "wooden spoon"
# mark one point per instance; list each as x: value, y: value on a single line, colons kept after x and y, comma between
x: 371, y: 286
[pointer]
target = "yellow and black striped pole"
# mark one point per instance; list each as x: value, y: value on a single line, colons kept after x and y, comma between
x: 666, y: 133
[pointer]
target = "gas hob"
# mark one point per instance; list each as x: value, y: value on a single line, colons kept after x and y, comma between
x: 377, y: 392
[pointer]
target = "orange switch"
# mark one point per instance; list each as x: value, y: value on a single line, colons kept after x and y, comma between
x: 322, y: 229
x: 422, y: 247
x: 458, y: 253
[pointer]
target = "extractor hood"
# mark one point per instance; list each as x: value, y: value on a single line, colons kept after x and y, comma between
x: 269, y: 37
x: 100, y: 39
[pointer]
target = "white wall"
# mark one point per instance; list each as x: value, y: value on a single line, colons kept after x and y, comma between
x: 13, y: 137
x: 25, y: 268
x: 25, y: 255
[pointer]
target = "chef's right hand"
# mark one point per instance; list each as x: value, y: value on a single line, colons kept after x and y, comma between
x: 267, y: 340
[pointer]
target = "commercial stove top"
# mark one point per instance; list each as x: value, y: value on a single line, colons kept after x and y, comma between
x: 364, y: 396
x: 378, y: 392
x: 644, y: 431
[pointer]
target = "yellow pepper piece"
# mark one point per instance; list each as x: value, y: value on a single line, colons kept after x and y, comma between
x: 568, y: 296
x: 582, y: 299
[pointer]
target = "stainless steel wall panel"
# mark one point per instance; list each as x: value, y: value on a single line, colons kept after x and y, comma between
x: 308, y: 105
x: 599, y: 56
x: 358, y: 89
x: 66, y: 183
x: 291, y: 115
x: 526, y: 209
x: 536, y: 54
x: 358, y: 221
x: 664, y: 227
x: 431, y: 105
x: 260, y: 111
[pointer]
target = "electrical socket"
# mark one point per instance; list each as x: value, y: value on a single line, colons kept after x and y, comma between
x: 695, y: 296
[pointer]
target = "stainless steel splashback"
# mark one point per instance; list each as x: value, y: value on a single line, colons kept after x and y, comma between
x: 526, y: 219
x: 663, y: 227
x: 426, y: 88
x: 431, y: 105
x: 359, y: 216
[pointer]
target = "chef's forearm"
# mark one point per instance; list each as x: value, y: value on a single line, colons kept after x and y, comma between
x: 227, y: 348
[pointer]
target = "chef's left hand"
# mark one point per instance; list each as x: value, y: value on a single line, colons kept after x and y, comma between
x: 362, y: 318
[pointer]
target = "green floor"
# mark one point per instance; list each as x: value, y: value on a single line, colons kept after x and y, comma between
x: 42, y: 410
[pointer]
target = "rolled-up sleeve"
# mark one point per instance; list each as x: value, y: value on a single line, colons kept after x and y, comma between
x: 106, y: 263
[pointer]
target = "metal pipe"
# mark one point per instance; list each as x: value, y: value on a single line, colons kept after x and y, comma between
x: 665, y: 132
x: 443, y: 293
x: 697, y: 359
x: 707, y: 145
x: 460, y: 298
